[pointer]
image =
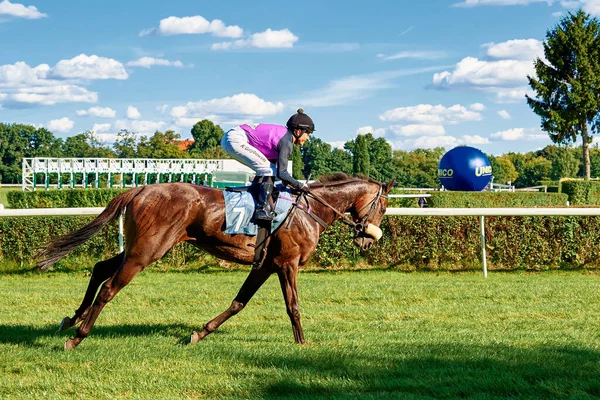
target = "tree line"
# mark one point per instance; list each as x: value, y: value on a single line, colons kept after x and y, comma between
x: 365, y: 154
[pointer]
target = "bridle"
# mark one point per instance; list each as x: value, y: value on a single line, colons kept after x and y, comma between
x: 359, y: 227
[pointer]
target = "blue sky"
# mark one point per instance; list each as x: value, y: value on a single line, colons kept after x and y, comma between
x: 419, y: 73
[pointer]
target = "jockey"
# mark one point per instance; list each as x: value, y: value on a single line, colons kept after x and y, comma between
x: 266, y: 149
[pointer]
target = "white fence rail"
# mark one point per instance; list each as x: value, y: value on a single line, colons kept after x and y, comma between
x: 422, y: 212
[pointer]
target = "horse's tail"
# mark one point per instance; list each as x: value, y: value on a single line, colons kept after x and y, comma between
x: 63, y: 245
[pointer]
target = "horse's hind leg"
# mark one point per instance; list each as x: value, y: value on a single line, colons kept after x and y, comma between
x: 252, y: 283
x: 101, y: 272
x: 130, y: 268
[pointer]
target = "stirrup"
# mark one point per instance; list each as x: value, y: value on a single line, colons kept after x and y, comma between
x: 263, y: 215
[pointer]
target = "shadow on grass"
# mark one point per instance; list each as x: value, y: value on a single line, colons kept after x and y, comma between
x: 441, y: 371
x: 27, y: 335
x: 438, y: 371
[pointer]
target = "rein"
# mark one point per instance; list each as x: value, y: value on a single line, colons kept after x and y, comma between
x: 360, y: 226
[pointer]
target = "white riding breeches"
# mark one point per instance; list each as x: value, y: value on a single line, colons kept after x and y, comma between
x: 235, y: 143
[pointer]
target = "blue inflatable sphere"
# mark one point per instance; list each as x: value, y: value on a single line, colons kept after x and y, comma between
x: 465, y: 168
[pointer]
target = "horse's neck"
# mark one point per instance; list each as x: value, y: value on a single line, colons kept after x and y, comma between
x: 343, y: 196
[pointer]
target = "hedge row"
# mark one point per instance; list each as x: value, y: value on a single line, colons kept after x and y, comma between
x: 582, y: 192
x: 432, y: 243
x: 530, y: 243
x: 496, y: 199
x: 446, y: 199
x: 62, y: 198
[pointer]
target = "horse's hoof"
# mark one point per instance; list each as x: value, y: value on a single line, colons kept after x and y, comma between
x: 65, y: 324
x: 195, y: 338
x: 70, y: 344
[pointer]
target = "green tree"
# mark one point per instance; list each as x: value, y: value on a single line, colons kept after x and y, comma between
x: 161, y: 145
x: 361, y: 159
x: 380, y: 156
x: 297, y: 164
x: 340, y: 161
x: 206, y: 136
x: 595, y: 161
x: 531, y: 168
x: 42, y: 143
x: 565, y: 164
x: 13, y: 147
x: 315, y: 156
x: 417, y: 168
x: 568, y: 87
x: 509, y: 172
x: 125, y: 145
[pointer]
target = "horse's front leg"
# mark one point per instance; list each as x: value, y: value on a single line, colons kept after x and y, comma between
x: 289, y: 287
x: 252, y: 283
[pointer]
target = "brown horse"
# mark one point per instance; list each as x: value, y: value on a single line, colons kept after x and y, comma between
x: 157, y: 217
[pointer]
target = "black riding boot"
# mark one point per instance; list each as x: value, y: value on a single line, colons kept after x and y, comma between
x: 264, y: 210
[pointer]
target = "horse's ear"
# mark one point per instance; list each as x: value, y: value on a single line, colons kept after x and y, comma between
x: 389, y: 186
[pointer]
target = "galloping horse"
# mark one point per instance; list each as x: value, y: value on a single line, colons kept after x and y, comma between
x: 157, y: 217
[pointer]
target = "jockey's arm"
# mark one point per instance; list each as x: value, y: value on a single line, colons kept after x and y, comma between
x: 284, y: 149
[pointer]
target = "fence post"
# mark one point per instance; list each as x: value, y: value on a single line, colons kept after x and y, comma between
x: 121, y: 230
x: 483, y: 256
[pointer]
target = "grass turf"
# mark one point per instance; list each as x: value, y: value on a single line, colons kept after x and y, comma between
x: 371, y: 334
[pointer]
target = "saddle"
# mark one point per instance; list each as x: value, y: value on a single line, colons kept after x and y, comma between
x: 252, y: 190
x: 262, y: 229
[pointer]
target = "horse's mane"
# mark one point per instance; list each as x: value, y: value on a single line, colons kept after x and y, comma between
x: 341, y: 177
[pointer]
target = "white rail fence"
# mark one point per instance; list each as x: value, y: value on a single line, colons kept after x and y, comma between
x: 418, y: 212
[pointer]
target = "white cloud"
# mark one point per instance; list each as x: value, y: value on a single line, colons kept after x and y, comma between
x: 423, y: 54
x: 476, y: 139
x: 431, y: 115
x: 518, y: 49
x: 50, y: 95
x: 430, y: 142
x: 416, y: 130
x: 475, y: 3
x: 20, y: 74
x: 20, y: 10
x: 147, y: 62
x: 60, y: 125
x: 193, y: 25
x: 337, y: 144
x: 504, y: 114
x: 520, y: 134
x: 473, y: 73
x: 591, y: 6
x: 380, y: 132
x: 90, y: 67
x: 101, y: 128
x: 356, y: 87
x: 477, y: 107
x: 140, y: 127
x: 268, y: 39
x: 242, y: 104
x: 133, y: 113
x: 426, y: 142
x: 513, y: 95
x: 364, y: 130
x: 510, y: 134
x: 162, y: 108
x: 100, y: 112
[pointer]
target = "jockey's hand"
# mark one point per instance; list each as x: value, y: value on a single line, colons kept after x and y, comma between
x: 304, y: 187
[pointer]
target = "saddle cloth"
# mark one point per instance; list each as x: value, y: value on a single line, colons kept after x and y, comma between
x: 239, y: 208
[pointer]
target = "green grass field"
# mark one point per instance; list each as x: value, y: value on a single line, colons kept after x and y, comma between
x: 371, y: 334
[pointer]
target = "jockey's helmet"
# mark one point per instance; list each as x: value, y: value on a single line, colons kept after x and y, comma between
x: 301, y: 121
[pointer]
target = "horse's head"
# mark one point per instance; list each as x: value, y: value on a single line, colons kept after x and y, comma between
x: 367, y: 212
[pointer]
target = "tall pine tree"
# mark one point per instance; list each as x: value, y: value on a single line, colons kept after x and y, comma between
x: 568, y: 87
